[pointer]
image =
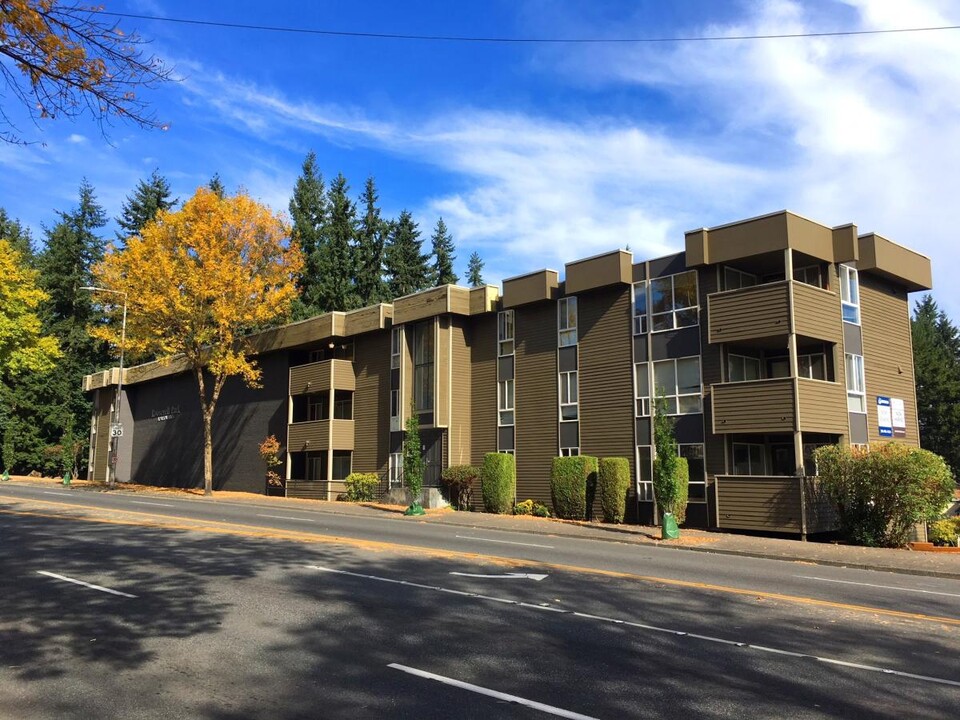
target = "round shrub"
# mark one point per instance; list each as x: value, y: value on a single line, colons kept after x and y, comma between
x: 498, y: 482
x: 361, y: 487
x: 613, y: 482
x: 944, y: 532
x: 572, y: 480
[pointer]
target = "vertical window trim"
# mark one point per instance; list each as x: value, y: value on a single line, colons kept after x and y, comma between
x: 502, y: 338
x: 850, y: 278
x: 856, y: 372
x: 641, y: 400
x: 501, y: 402
x: 643, y: 327
x: 565, y: 331
x: 565, y: 382
x: 395, y: 347
x: 676, y: 394
x: 428, y: 360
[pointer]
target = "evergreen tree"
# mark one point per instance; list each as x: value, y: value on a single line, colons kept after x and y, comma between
x: 475, y: 270
x: 336, y: 287
x: 149, y: 198
x: 936, y: 358
x: 216, y: 184
x: 17, y: 235
x: 371, y: 237
x: 443, y: 256
x: 407, y: 268
x: 308, y: 209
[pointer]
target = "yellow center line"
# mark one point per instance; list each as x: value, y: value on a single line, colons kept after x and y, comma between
x: 164, y: 522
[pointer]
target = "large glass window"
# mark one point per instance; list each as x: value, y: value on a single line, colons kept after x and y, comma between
x: 748, y: 459
x: 567, y: 309
x: 343, y: 405
x: 741, y: 368
x: 318, y: 406
x: 673, y: 301
x: 506, y: 402
x: 640, y: 307
x: 395, y: 347
x: 505, y: 332
x: 395, y: 470
x: 643, y: 390
x: 813, y: 366
x: 423, y: 367
x: 809, y: 275
x: 697, y: 468
x: 679, y: 382
x: 644, y: 473
x: 734, y: 279
x: 394, y: 410
x: 569, y: 396
x: 856, y: 384
x: 342, y: 464
x: 850, y: 294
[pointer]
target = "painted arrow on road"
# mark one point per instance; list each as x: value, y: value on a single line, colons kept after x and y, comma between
x: 507, y: 576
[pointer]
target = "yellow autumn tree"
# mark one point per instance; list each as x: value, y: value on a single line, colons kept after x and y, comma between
x: 23, y: 347
x: 69, y: 58
x: 198, y: 280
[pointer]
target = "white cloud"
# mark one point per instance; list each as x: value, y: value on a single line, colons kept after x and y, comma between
x: 76, y: 139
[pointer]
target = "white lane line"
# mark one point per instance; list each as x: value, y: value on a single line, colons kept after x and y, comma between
x: 287, y: 517
x: 148, y: 502
x: 85, y: 584
x: 882, y: 587
x: 503, y: 542
x: 50, y: 492
x: 550, y: 709
x: 506, y: 576
x: 651, y: 628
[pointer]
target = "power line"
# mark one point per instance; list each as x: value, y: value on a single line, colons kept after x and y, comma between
x: 520, y: 40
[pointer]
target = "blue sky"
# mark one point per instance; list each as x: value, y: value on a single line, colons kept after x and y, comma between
x: 537, y: 154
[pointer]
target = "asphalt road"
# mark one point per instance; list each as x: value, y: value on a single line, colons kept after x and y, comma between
x: 387, y: 618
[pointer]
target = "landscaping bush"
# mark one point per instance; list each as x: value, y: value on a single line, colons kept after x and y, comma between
x: 881, y: 493
x: 460, y: 480
x: 572, y: 480
x: 498, y: 482
x: 362, y: 487
x: 944, y: 532
x: 523, y: 508
x: 540, y: 510
x: 613, y: 482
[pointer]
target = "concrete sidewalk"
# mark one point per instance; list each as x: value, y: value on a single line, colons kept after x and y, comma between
x: 728, y: 543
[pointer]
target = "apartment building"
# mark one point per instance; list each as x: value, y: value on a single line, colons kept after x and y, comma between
x: 765, y: 338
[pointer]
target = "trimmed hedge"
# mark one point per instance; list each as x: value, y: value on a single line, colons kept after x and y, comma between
x: 460, y: 480
x: 613, y: 482
x: 361, y: 487
x: 498, y: 482
x: 572, y: 480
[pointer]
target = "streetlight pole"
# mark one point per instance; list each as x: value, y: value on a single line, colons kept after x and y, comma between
x: 115, y: 421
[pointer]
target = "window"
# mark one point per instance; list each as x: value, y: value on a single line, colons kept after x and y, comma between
x: 644, y: 473
x: 643, y: 390
x: 394, y: 408
x: 734, y: 279
x: 856, y: 384
x: 569, y: 452
x: 697, y: 468
x: 505, y: 332
x: 679, y: 382
x: 640, y: 308
x: 318, y: 406
x: 506, y: 402
x: 748, y: 459
x: 810, y: 275
x: 813, y: 366
x: 342, y: 405
x: 741, y: 368
x: 316, y: 466
x: 850, y: 294
x: 569, y: 396
x: 342, y: 464
x: 395, y: 348
x: 778, y: 367
x: 567, y: 308
x: 395, y: 470
x: 423, y: 367
x: 673, y: 301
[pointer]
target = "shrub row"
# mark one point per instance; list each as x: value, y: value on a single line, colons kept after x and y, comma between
x: 575, y: 481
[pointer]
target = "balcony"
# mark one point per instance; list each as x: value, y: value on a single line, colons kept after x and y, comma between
x: 322, y: 376
x: 763, y: 311
x: 316, y: 435
x: 768, y: 406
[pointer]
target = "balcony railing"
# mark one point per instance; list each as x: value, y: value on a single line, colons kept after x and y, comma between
x: 320, y: 435
x: 322, y: 376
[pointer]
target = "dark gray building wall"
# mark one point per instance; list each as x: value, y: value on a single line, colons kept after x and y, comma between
x: 168, y: 429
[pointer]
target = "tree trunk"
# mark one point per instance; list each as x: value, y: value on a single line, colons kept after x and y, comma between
x: 208, y: 453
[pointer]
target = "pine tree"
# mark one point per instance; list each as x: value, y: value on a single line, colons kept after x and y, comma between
x: 336, y: 287
x: 308, y: 209
x: 18, y: 236
x: 407, y: 268
x: 149, y: 198
x: 936, y: 358
x: 216, y: 184
x: 443, y: 257
x: 475, y: 270
x: 371, y: 238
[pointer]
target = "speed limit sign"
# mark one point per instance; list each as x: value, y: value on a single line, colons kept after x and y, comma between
x: 116, y: 430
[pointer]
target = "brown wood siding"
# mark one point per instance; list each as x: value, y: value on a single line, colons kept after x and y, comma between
x: 711, y: 363
x: 460, y: 445
x: 483, y: 386
x: 823, y: 406
x: 536, y: 398
x: 323, y: 375
x: 316, y: 432
x: 761, y: 406
x: 612, y: 268
x: 101, y: 449
x: 342, y: 435
x: 770, y: 504
x: 605, y: 376
x: 816, y: 312
x: 363, y: 320
x: 441, y: 417
x: 887, y: 353
x: 308, y: 490
x: 371, y: 403
x: 530, y: 288
x: 459, y: 300
x: 755, y: 312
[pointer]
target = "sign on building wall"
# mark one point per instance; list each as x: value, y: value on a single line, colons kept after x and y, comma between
x: 891, y: 417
